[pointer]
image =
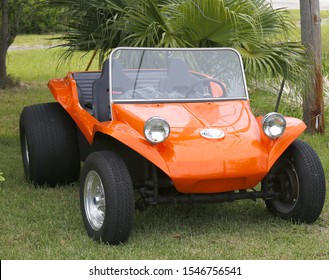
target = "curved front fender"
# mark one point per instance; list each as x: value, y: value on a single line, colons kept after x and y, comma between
x: 276, y: 147
x: 129, y: 137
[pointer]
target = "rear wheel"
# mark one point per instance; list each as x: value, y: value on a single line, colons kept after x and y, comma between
x: 107, y: 198
x: 49, y: 145
x: 297, y: 179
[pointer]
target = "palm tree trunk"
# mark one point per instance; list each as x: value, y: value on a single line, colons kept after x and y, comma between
x: 313, y: 105
x: 91, y: 59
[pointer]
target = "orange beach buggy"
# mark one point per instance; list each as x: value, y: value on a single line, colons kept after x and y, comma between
x: 168, y: 126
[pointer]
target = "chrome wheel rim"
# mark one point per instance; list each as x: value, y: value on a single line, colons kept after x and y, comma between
x: 94, y: 200
x: 26, y: 151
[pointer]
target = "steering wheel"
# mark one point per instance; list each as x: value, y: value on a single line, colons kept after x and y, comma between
x: 201, y: 81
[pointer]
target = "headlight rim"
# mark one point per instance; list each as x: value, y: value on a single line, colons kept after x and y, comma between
x: 153, y: 119
x: 265, y: 122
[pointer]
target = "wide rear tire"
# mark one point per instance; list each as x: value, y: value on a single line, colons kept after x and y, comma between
x: 49, y: 145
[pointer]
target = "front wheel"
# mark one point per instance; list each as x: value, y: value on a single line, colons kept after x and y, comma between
x: 298, y: 183
x: 106, y: 198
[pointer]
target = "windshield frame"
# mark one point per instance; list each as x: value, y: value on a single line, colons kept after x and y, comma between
x: 180, y: 100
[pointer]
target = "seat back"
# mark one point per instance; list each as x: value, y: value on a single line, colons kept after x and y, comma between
x: 84, y: 81
x: 121, y: 82
x: 179, y: 78
x: 101, y: 99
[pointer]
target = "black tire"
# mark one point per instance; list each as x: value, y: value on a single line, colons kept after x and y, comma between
x: 49, y: 145
x: 298, y: 178
x: 107, y: 198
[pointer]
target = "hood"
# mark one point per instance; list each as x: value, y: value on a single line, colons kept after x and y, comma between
x: 193, y: 160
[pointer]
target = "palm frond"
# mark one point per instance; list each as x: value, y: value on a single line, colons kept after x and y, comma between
x: 251, y: 26
x: 275, y: 61
x: 147, y: 25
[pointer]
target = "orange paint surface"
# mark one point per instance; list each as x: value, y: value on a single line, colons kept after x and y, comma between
x: 195, y: 164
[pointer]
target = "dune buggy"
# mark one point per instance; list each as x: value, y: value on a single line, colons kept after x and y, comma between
x: 168, y: 126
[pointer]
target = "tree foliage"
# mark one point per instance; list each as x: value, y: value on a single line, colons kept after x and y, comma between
x: 253, y: 27
x: 37, y: 18
x: 21, y: 17
x: 32, y: 17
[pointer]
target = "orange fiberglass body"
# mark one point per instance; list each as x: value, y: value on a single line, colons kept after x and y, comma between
x: 195, y: 164
x: 159, y: 126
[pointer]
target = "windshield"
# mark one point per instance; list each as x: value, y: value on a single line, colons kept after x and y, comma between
x: 175, y: 75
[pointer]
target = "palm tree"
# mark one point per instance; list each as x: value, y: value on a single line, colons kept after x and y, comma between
x: 90, y: 26
x: 259, y: 32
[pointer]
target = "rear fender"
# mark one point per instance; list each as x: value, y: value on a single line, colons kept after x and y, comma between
x: 276, y: 147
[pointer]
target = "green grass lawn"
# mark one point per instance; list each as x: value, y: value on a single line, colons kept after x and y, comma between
x: 45, y: 223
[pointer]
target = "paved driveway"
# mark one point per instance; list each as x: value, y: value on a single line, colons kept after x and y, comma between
x: 294, y: 4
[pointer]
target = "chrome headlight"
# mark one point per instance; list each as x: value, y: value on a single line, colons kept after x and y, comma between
x: 274, y: 124
x: 156, y: 130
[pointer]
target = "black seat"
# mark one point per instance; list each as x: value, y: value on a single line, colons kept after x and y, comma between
x: 101, y: 98
x: 121, y: 82
x: 179, y: 78
x: 84, y: 82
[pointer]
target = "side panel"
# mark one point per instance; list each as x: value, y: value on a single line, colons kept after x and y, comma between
x: 65, y: 92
